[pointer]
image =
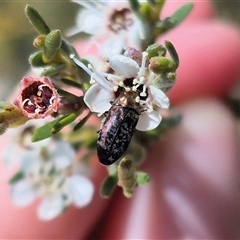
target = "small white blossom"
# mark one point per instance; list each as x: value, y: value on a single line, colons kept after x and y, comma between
x: 47, y: 170
x: 100, y: 95
x: 113, y: 19
x: 50, y: 175
x: 19, y: 141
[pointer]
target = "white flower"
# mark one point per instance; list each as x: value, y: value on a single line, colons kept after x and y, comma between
x: 113, y: 19
x: 19, y: 141
x: 130, y: 77
x: 49, y: 174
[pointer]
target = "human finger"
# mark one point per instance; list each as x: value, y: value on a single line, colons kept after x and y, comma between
x: 209, y: 59
x: 23, y: 223
x: 194, y: 183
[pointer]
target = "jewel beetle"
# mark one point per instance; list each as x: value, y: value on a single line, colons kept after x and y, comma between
x: 118, y: 127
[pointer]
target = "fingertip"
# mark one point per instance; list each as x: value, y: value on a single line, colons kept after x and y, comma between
x: 198, y: 172
x: 209, y: 60
x: 201, y: 10
x: 194, y: 180
x: 72, y: 224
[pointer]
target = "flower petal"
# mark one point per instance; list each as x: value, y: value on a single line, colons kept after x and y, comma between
x: 98, y: 99
x: 23, y: 193
x: 124, y: 66
x: 148, y: 121
x: 62, y: 155
x: 9, y: 155
x: 51, y: 207
x: 112, y: 46
x: 159, y: 97
x: 80, y: 190
x: 31, y: 161
x: 87, y: 22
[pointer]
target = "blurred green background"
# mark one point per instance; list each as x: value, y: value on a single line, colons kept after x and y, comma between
x: 16, y: 33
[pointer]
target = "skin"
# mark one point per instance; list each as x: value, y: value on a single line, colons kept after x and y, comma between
x: 194, y: 192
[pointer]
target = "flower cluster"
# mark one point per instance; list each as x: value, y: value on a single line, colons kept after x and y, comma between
x: 132, y: 77
x: 106, y: 18
x: 128, y: 88
x: 46, y: 170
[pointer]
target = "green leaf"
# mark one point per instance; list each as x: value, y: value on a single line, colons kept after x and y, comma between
x: 182, y: 13
x: 68, y: 48
x: 82, y: 122
x: 157, y: 3
x: 142, y: 178
x: 3, y: 127
x: 11, y: 116
x: 171, y: 121
x: 173, y: 53
x: 36, y: 59
x: 168, y: 23
x: 152, y: 2
x: 16, y: 177
x: 44, y: 131
x: 53, y: 70
x: 66, y: 94
x: 52, y: 44
x: 36, y: 20
x: 134, y: 5
x: 108, y: 185
x: 72, y: 83
x: 64, y: 121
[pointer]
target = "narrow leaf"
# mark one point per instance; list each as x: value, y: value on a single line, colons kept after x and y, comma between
x: 109, y: 185
x: 142, y: 178
x: 181, y: 13
x: 72, y: 83
x: 36, y: 20
x: 172, y: 51
x: 82, y: 122
x: 134, y: 5
x: 68, y: 48
x: 16, y: 177
x: 152, y: 2
x: 64, y: 121
x: 66, y: 94
x: 171, y: 121
x: 53, y: 70
x: 44, y: 131
x: 36, y: 59
x: 52, y: 44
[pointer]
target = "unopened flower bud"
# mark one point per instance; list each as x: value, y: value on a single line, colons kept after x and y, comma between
x: 164, y: 81
x: 134, y: 54
x: 126, y: 176
x: 149, y: 12
x: 161, y: 65
x: 156, y: 50
x: 38, y: 42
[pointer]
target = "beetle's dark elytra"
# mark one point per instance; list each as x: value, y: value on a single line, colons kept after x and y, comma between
x: 118, y: 128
